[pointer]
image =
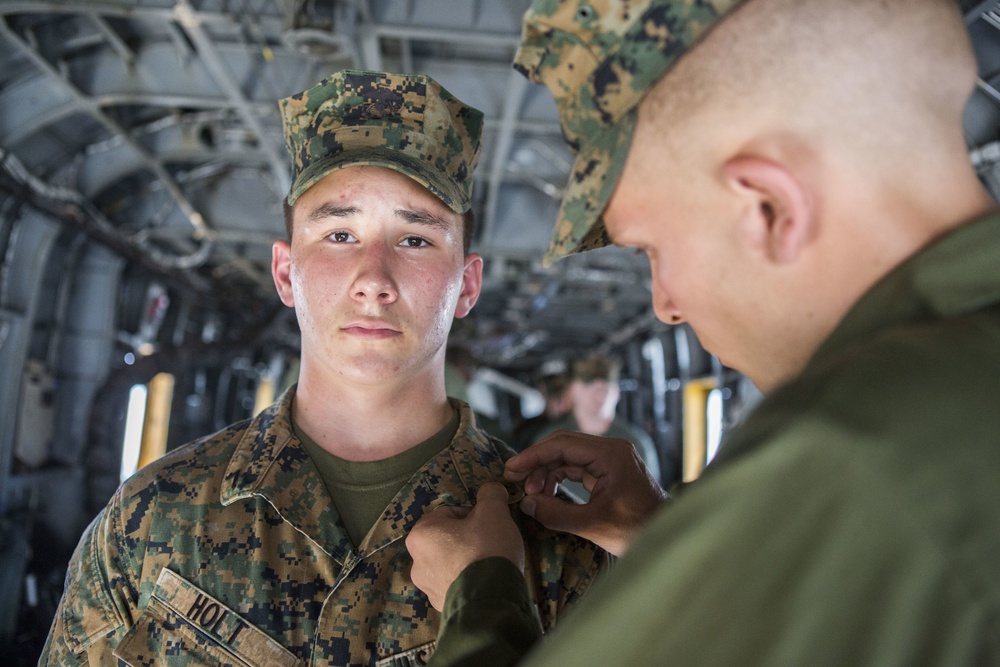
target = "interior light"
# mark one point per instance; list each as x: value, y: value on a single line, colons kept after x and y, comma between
x: 713, y: 426
x: 135, y: 416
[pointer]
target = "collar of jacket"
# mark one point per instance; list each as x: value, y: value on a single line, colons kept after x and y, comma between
x: 270, y: 462
x: 953, y: 275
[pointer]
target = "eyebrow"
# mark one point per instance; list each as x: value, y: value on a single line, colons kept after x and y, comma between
x: 421, y: 217
x: 331, y: 210
x: 414, y: 216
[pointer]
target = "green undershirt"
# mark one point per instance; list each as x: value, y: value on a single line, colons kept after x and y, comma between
x: 361, y: 490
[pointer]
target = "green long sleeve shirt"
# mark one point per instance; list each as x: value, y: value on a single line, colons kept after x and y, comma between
x: 853, y: 519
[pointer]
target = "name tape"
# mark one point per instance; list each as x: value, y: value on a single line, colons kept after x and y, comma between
x: 220, y: 622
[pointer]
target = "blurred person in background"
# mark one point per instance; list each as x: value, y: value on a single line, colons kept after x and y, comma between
x: 593, y: 394
x: 552, y: 383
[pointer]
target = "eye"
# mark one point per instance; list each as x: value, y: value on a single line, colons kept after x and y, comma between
x: 341, y: 237
x: 414, y: 242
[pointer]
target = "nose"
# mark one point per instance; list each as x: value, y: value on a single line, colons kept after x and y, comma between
x: 664, y: 307
x: 373, y: 281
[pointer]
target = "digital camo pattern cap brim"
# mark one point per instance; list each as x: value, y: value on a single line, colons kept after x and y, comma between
x: 598, y: 58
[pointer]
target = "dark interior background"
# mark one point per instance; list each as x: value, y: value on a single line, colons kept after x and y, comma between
x: 141, y: 175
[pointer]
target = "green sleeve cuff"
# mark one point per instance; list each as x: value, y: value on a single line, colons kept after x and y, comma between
x: 489, y: 618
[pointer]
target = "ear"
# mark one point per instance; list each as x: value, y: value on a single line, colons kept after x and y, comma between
x: 783, y: 217
x: 281, y: 268
x: 472, y: 283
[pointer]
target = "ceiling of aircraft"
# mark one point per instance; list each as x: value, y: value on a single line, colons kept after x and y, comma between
x: 152, y: 126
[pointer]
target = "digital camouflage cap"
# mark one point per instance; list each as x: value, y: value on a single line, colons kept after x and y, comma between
x: 599, y: 58
x: 408, y: 123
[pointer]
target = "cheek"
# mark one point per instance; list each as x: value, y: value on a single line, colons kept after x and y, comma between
x: 317, y: 286
x: 436, y: 296
x: 439, y: 284
x: 659, y: 284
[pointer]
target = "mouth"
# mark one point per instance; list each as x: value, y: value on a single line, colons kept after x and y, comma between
x: 371, y: 329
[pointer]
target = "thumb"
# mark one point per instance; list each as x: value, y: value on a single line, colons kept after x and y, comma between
x: 492, y: 493
x: 450, y: 512
x: 555, y: 513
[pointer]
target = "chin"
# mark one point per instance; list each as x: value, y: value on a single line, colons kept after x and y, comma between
x: 369, y: 369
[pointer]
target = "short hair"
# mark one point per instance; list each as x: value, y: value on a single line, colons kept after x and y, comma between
x: 287, y: 211
x: 553, y: 385
x: 468, y: 229
x: 596, y: 366
x: 468, y: 225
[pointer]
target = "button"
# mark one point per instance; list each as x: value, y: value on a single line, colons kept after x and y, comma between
x: 515, y: 493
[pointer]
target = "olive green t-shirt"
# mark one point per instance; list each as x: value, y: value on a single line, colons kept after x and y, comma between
x: 361, y: 490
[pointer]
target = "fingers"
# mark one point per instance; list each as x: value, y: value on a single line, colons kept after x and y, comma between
x: 612, y: 531
x: 444, y: 542
x: 557, y: 514
x: 492, y: 495
x: 538, y: 481
x: 564, y: 449
x: 623, y: 495
x: 492, y: 519
x: 450, y: 512
x: 568, y: 455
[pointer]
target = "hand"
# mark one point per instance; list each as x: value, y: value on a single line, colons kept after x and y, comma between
x: 622, y: 493
x: 449, y: 539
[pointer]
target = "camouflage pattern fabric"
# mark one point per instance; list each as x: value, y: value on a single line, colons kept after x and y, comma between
x: 229, y: 551
x: 598, y: 58
x: 409, y: 123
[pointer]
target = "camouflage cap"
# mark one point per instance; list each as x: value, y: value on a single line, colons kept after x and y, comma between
x: 405, y: 122
x: 596, y: 366
x: 598, y: 58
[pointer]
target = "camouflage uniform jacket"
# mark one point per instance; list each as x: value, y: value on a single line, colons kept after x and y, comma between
x: 230, y: 551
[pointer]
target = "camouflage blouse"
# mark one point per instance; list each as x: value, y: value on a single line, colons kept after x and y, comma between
x: 230, y: 551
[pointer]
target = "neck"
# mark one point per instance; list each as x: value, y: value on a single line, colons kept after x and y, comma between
x: 369, y: 422
x: 869, y: 233
x: 591, y: 423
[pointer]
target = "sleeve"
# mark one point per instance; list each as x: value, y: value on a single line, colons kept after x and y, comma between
x: 489, y: 619
x: 786, y: 557
x: 95, y: 610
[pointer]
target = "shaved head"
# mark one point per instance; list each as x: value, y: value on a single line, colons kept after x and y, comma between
x: 804, y: 148
x: 869, y: 71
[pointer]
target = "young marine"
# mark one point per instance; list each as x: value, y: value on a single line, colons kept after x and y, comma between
x: 279, y: 540
x: 797, y: 174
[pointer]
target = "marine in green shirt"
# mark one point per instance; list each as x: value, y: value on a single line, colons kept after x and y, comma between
x: 796, y: 172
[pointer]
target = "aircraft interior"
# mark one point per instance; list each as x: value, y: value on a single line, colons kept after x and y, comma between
x: 142, y: 172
